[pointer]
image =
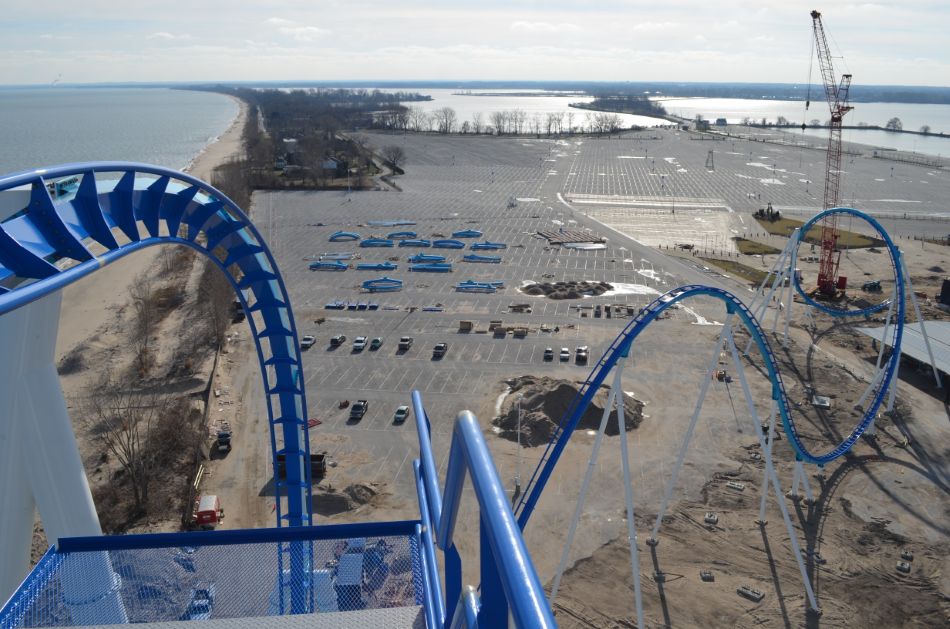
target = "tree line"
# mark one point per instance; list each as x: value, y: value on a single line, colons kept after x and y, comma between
x: 446, y: 120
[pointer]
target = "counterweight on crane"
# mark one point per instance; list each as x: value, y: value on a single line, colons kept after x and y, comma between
x: 837, y: 96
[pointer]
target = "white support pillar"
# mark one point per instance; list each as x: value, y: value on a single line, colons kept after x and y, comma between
x: 793, y: 492
x: 704, y: 388
x: 628, y: 497
x: 809, y: 496
x: 585, y: 485
x: 16, y: 500
x: 770, y: 439
x: 770, y: 470
x: 920, y: 318
x: 790, y: 299
x: 51, y: 466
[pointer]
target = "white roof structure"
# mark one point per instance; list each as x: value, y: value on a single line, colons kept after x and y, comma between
x: 913, y: 345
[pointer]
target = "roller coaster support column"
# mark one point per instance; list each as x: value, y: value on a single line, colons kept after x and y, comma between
x: 769, y: 440
x: 628, y: 494
x: 798, y: 478
x: 777, y: 276
x: 923, y: 330
x: 790, y: 299
x: 615, y: 399
x: 585, y: 485
x: 710, y: 372
x: 770, y: 470
x: 36, y: 432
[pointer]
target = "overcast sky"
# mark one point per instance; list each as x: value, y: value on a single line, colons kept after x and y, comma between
x: 606, y: 40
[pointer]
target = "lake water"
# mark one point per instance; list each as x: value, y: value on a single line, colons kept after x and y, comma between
x: 912, y: 116
x: 466, y: 105
x: 47, y: 126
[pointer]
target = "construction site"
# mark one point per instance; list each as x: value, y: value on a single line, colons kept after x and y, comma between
x: 671, y: 377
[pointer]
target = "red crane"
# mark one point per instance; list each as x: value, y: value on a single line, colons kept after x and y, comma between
x: 837, y: 97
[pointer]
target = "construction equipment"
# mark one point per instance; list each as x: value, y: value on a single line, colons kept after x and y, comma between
x: 837, y: 97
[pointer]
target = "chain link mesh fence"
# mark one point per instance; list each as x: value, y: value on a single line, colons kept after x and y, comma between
x: 218, y: 581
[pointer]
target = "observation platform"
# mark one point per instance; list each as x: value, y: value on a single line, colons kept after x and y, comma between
x: 381, y: 574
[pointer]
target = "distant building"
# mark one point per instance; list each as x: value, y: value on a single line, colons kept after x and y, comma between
x: 290, y: 146
x: 721, y: 122
x: 702, y: 125
x: 330, y: 163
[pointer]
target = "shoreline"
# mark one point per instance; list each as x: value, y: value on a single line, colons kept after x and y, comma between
x: 228, y: 145
x: 89, y: 303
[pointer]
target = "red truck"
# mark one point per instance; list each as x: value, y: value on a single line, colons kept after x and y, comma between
x: 208, y: 512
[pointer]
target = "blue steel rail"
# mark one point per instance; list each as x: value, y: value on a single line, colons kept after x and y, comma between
x: 122, y: 207
x: 621, y: 346
x: 892, y: 251
x: 509, y: 579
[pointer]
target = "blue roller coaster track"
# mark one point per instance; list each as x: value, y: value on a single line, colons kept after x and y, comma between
x: 621, y: 345
x: 120, y: 208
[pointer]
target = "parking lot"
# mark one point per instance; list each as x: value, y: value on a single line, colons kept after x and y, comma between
x: 508, y: 189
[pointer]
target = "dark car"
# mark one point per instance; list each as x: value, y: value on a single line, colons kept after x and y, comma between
x: 439, y: 350
x: 201, y: 604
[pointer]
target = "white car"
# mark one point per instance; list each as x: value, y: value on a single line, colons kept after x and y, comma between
x: 359, y: 344
x: 307, y: 342
x: 565, y: 354
x: 401, y: 414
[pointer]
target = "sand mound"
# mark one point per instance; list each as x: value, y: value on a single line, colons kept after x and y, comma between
x: 544, y: 403
x: 334, y: 502
x: 567, y: 290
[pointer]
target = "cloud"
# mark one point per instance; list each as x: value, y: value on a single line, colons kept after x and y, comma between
x: 649, y: 27
x: 56, y: 37
x: 300, y: 32
x: 166, y: 36
x: 544, y: 27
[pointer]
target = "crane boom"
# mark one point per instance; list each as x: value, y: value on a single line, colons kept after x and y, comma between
x: 837, y: 96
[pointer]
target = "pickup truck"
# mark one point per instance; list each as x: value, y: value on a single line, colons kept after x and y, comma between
x: 405, y: 342
x: 358, y: 409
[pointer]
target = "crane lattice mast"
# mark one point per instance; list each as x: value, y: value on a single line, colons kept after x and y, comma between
x: 837, y: 96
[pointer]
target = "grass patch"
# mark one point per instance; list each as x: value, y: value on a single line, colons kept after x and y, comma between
x: 741, y: 270
x: 753, y: 248
x: 846, y: 239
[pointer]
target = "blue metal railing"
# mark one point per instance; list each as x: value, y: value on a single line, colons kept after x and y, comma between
x: 509, y: 580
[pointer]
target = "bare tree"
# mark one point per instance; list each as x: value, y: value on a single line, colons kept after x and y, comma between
x: 536, y: 123
x: 124, y: 421
x: 570, y: 122
x: 215, y: 301
x: 445, y: 119
x: 418, y: 119
x: 518, y: 120
x: 498, y: 119
x: 894, y: 124
x: 394, y: 156
x: 925, y: 129
x: 466, y: 126
x: 477, y: 122
x: 145, y: 320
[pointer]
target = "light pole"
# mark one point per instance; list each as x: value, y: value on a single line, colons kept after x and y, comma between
x: 518, y: 471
